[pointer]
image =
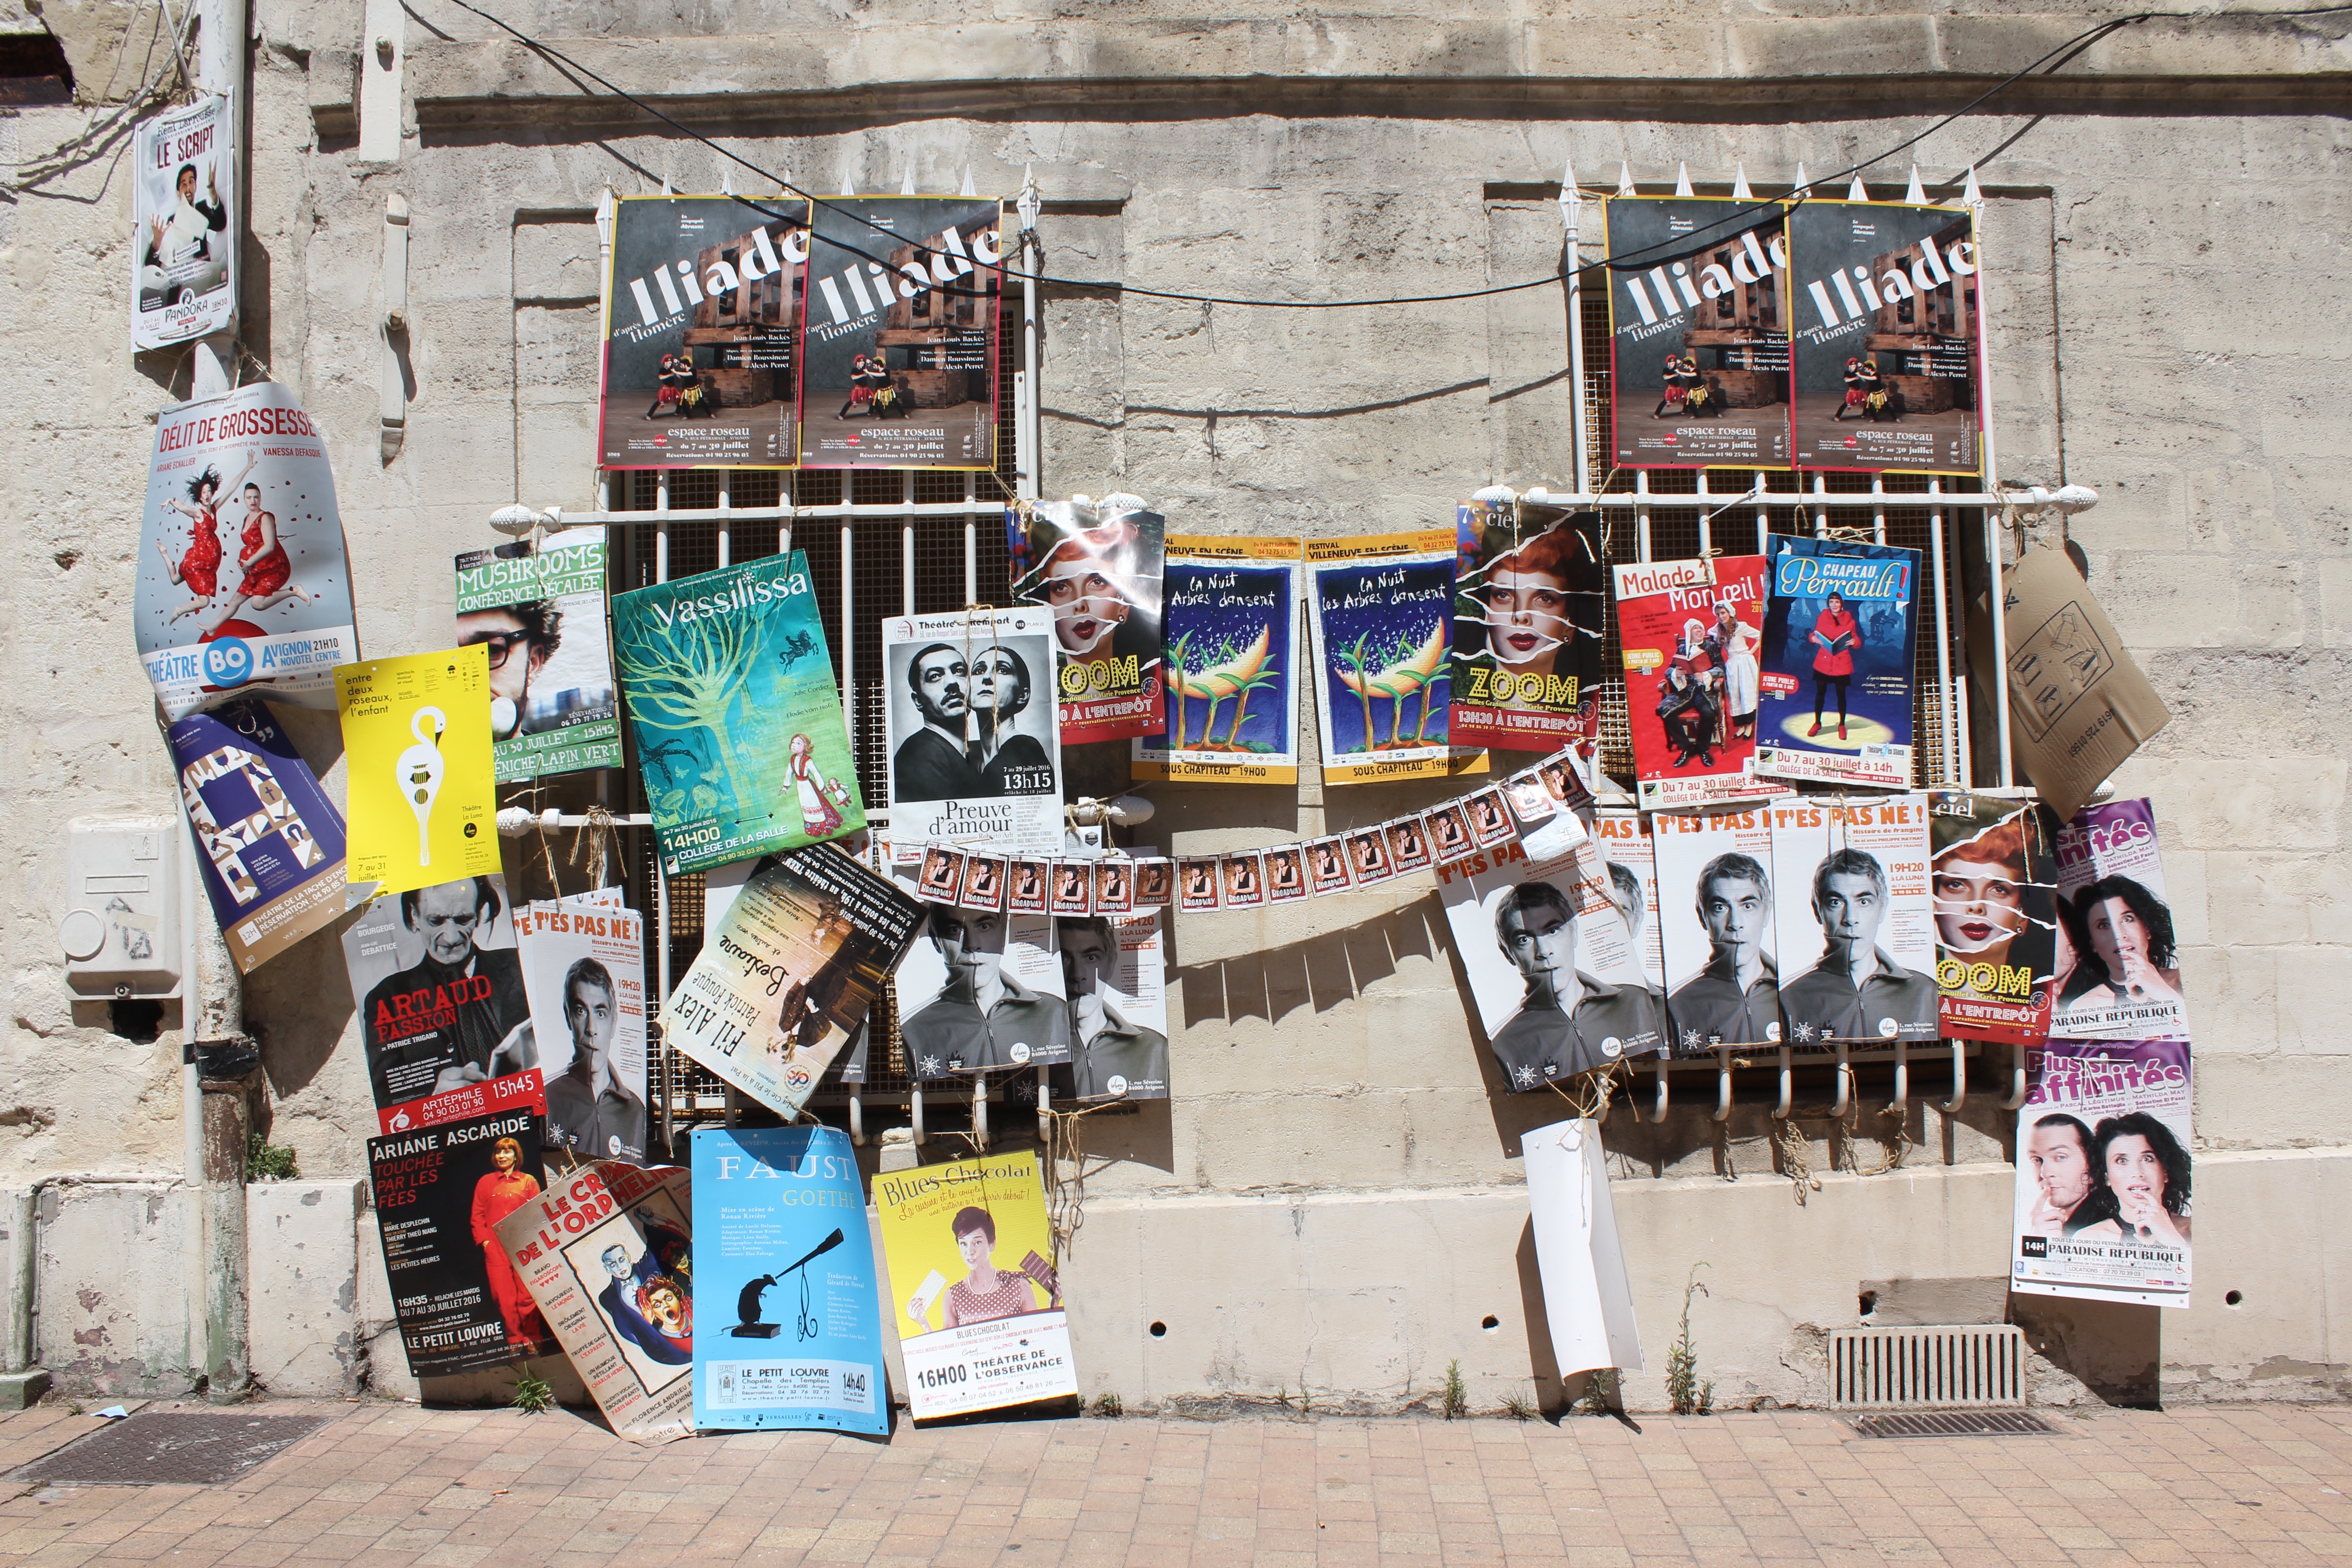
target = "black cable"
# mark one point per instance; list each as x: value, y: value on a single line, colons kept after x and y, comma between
x: 1634, y: 261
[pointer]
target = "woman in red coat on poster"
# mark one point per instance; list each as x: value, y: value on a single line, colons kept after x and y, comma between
x: 497, y: 1196
x: 1836, y: 634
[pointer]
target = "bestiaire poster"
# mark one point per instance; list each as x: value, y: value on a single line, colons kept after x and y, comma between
x: 442, y: 1003
x: 1716, y: 926
x: 2118, y: 958
x: 423, y: 786
x: 1531, y: 607
x: 1852, y: 921
x: 1995, y: 881
x: 701, y: 320
x: 897, y: 351
x: 1232, y: 634
x: 1838, y: 635
x: 1888, y: 337
x: 975, y: 745
x: 242, y: 588
x: 1690, y: 631
x: 184, y: 228
x: 1097, y: 569
x: 1382, y: 611
x: 976, y: 1298
x: 792, y: 1329
x: 539, y: 613
x: 737, y: 719
x: 269, y: 843
x: 1698, y: 333
x: 980, y: 991
x: 584, y: 970
x: 2103, y: 1172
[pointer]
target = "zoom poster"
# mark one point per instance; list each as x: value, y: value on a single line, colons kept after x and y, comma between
x: 1531, y: 607
x: 975, y: 1292
x: 1690, y: 631
x: 975, y: 743
x: 701, y: 319
x: 269, y: 843
x: 898, y: 350
x: 1698, y: 333
x: 540, y: 614
x: 422, y: 789
x: 1231, y: 631
x: 242, y: 587
x: 1097, y: 569
x: 1995, y: 881
x: 1888, y: 337
x: 439, y: 1193
x: 736, y: 713
x: 1382, y: 611
x: 792, y: 1311
x: 2118, y: 957
x: 2103, y: 1172
x: 1841, y: 620
x: 183, y: 240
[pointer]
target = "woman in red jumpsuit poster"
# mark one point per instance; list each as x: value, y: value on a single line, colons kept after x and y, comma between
x: 497, y: 1196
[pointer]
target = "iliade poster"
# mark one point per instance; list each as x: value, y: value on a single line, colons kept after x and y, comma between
x: 1097, y: 569
x: 184, y: 239
x: 1995, y: 883
x: 975, y: 743
x: 1531, y: 607
x: 242, y: 581
x: 980, y: 991
x: 2103, y: 1172
x: 270, y: 844
x: 440, y: 990
x: 736, y: 716
x: 1852, y: 921
x: 1232, y: 634
x: 1382, y: 607
x: 1886, y: 337
x: 898, y: 348
x: 2118, y: 957
x: 1698, y: 333
x: 1588, y: 1296
x: 584, y: 970
x: 440, y: 1193
x: 791, y: 1312
x: 1716, y: 926
x: 1690, y: 632
x: 702, y: 316
x: 540, y: 614
x: 1838, y: 633
x: 977, y: 1300
x: 423, y: 786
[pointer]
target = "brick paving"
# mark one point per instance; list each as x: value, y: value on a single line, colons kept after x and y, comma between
x: 452, y: 1489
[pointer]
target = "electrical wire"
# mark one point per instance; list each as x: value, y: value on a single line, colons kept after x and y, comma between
x: 1651, y: 256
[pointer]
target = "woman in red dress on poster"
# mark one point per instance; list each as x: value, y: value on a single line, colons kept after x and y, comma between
x: 1836, y: 634
x: 264, y: 562
x: 497, y: 1196
x: 199, y: 568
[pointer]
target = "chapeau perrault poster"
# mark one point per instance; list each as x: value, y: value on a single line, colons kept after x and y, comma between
x: 735, y: 713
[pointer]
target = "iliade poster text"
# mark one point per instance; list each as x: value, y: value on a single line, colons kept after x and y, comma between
x: 270, y: 844
x: 1838, y: 633
x: 976, y: 1298
x: 423, y: 783
x: 1995, y: 884
x: 1690, y: 632
x: 1698, y: 333
x: 2118, y: 956
x: 1382, y: 607
x: 736, y: 713
x: 1232, y: 634
x: 1886, y: 337
x: 2103, y: 1172
x: 184, y: 239
x: 541, y: 613
x: 701, y: 319
x: 440, y: 1193
x: 792, y: 1330
x: 1097, y: 569
x: 1531, y: 599
x: 898, y: 348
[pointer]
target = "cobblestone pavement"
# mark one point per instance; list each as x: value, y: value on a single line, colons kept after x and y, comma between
x: 449, y: 1488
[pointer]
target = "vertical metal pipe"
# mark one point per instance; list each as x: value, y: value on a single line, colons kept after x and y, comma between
x: 1821, y: 513
x: 1579, y: 420
x: 1763, y: 513
x: 1705, y: 523
x: 1878, y: 509
x: 1641, y: 514
x: 1994, y: 592
x: 1949, y: 761
x: 726, y: 516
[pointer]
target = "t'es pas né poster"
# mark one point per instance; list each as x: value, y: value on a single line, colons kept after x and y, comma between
x: 1714, y: 913
x: 975, y: 743
x: 1852, y: 921
x: 1698, y: 333
x: 898, y: 351
x: 1382, y: 610
x: 1531, y: 599
x: 1690, y: 631
x: 539, y: 613
x: 1232, y: 634
x: 269, y: 842
x: 1837, y: 653
x: 1097, y: 567
x: 701, y: 316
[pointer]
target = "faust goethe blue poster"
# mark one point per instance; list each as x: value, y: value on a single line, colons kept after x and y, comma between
x: 792, y: 1313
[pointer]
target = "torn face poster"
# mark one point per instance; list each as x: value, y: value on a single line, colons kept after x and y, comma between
x: 269, y: 843
x: 1690, y: 632
x: 1698, y: 333
x: 1715, y: 926
x: 2118, y: 958
x: 539, y: 614
x: 1531, y: 597
x: 2103, y: 1172
x: 1382, y: 611
x: 1995, y: 880
x: 584, y: 970
x: 1097, y: 568
x: 1232, y: 633
x: 980, y: 991
x: 1113, y: 973
x: 1842, y: 622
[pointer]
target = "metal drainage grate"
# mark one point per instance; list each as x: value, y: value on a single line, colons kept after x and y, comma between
x: 155, y: 1447
x: 1955, y: 1424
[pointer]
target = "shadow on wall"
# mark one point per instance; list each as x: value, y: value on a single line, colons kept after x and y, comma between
x: 2113, y: 1349
x: 299, y: 1005
x: 1321, y: 973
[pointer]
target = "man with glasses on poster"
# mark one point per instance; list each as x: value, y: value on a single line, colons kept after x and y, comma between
x: 535, y: 631
x: 458, y: 1015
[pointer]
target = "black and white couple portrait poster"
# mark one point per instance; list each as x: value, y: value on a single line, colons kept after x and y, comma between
x: 975, y: 745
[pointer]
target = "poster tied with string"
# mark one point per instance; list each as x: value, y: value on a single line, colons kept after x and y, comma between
x: 1530, y: 604
x: 974, y: 740
x: 1097, y: 569
x: 1839, y: 634
x: 1232, y: 634
x: 1691, y: 632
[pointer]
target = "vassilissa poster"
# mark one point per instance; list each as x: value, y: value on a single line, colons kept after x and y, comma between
x: 184, y: 230
x: 269, y: 843
x: 1888, y: 337
x: 1382, y: 610
x: 2103, y: 1172
x: 1690, y: 631
x: 980, y: 991
x: 423, y: 786
x: 792, y: 1329
x: 584, y: 969
x: 440, y: 990
x: 2118, y: 958
x: 1232, y: 631
x: 1097, y: 570
x: 975, y: 745
x: 1841, y: 620
x: 1716, y: 926
x: 440, y: 1193
x: 1698, y: 333
x: 701, y: 323
x: 737, y: 714
x: 1531, y: 607
x: 1114, y: 971
x: 242, y: 587
x: 1995, y: 881
x: 1853, y: 920
x: 898, y: 348
x: 540, y: 615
